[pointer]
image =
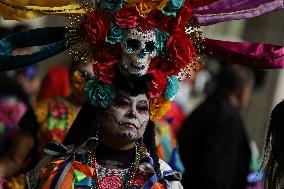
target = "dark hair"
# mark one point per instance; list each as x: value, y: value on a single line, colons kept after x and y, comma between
x: 149, y: 140
x: 132, y: 84
x: 273, y: 162
x: 232, y: 79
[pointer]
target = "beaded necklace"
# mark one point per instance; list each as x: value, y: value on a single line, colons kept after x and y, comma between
x: 128, y: 176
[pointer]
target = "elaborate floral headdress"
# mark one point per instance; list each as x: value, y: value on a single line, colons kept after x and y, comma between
x: 147, y: 37
x: 136, y: 37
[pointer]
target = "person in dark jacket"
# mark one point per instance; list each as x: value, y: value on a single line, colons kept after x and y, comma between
x: 213, y: 142
x: 273, y: 161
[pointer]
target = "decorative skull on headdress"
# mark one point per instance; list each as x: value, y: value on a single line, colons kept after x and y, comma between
x: 139, y: 47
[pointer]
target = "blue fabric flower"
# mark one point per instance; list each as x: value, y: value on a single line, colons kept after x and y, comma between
x: 173, y: 7
x: 115, y: 34
x: 172, y: 88
x: 111, y: 5
x: 162, y: 38
x: 98, y: 93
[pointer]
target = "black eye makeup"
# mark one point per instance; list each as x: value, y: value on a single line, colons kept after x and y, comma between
x: 122, y: 102
x: 142, y: 107
x: 150, y: 46
x: 133, y: 44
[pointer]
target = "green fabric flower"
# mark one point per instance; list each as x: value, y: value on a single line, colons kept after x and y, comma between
x: 111, y: 5
x: 172, y: 88
x: 173, y: 7
x: 98, y: 93
x: 162, y: 38
x: 114, y: 34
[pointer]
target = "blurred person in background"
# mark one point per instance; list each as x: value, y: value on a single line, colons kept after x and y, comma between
x: 13, y: 104
x: 213, y: 143
x: 29, y: 80
x: 273, y: 160
x: 48, y: 120
x: 18, y: 89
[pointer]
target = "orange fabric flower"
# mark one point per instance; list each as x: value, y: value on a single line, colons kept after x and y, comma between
x: 158, y: 186
x: 159, y: 107
x: 146, y: 6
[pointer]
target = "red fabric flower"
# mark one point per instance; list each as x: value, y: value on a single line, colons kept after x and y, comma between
x: 160, y: 63
x: 106, y: 71
x: 156, y: 19
x: 95, y: 27
x: 140, y: 179
x: 158, y: 83
x: 108, y: 52
x: 128, y: 18
x: 57, y: 109
x: 58, y: 135
x: 179, y: 49
x: 107, y: 57
x: 182, y: 17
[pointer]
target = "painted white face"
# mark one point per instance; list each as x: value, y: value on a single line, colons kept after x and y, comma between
x: 138, y: 50
x: 127, y: 117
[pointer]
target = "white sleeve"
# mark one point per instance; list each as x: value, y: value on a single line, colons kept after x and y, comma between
x: 172, y: 184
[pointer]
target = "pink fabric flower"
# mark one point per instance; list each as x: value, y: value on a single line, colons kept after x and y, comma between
x: 113, y: 182
x: 140, y: 179
x: 58, y: 109
x: 11, y: 111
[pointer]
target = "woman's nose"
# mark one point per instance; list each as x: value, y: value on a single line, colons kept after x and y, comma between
x: 132, y: 113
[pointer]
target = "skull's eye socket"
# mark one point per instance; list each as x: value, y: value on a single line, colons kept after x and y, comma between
x: 150, y: 46
x: 133, y: 44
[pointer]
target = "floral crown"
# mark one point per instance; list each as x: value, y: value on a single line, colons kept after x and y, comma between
x: 149, y: 34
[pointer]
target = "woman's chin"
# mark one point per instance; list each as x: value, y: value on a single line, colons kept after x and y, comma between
x: 127, y: 137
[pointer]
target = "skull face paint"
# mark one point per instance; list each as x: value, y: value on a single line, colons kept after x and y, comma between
x: 139, y: 47
x: 127, y: 117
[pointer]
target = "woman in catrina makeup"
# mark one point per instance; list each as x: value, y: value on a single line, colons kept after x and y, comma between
x: 111, y: 147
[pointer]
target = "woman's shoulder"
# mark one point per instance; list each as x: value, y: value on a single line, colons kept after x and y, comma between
x: 63, y: 166
x: 171, y: 176
x: 164, y: 166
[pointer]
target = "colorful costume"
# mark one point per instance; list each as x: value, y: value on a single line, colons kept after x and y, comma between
x: 130, y: 43
x: 48, y: 121
x: 85, y: 172
x: 55, y: 117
